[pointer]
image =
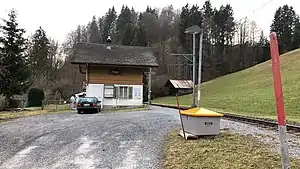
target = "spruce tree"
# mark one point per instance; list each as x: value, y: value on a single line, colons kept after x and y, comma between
x: 39, y: 55
x: 94, y: 36
x: 207, y: 22
x: 296, y: 35
x: 125, y: 26
x: 284, y: 23
x: 109, y: 25
x: 141, y: 33
x: 15, y: 72
x: 183, y: 24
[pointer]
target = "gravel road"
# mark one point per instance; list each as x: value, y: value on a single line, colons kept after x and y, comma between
x: 123, y: 140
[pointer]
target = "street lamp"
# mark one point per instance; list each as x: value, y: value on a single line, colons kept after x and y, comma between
x: 194, y: 30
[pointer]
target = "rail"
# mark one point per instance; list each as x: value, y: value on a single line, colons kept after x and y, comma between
x: 245, y: 119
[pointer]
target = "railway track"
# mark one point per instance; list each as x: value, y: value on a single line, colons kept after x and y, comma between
x: 250, y: 120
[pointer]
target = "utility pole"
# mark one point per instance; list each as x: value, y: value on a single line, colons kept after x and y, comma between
x: 149, y: 87
x: 194, y: 69
x: 192, y: 30
x: 200, y: 67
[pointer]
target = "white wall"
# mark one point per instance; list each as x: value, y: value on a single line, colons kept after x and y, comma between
x: 97, y: 90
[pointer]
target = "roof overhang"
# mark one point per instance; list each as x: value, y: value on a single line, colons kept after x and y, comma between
x: 180, y: 84
x: 118, y: 65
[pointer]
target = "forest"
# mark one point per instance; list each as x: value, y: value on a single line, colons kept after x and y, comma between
x: 229, y: 45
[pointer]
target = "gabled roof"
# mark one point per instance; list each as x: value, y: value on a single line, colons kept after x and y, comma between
x: 116, y: 55
x: 180, y: 84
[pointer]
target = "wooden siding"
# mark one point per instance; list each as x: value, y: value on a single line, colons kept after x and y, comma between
x: 127, y: 76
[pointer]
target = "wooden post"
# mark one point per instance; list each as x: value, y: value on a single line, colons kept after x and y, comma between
x: 43, y: 102
x: 279, y: 101
x: 56, y: 104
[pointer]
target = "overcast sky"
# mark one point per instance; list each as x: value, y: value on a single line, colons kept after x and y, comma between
x: 58, y: 17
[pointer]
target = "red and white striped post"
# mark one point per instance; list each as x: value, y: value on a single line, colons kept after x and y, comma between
x: 279, y: 101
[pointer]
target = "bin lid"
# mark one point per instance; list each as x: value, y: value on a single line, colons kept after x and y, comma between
x: 200, y: 112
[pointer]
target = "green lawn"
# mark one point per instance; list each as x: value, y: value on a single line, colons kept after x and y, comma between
x: 250, y: 92
x: 227, y: 151
x: 33, y: 111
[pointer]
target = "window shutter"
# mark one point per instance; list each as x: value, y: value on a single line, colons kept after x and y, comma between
x: 115, y: 92
x: 130, y: 92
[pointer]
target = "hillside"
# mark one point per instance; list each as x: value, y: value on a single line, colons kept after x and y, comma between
x: 250, y: 91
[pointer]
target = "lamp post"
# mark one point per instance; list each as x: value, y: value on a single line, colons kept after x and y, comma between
x: 200, y: 67
x: 194, y: 30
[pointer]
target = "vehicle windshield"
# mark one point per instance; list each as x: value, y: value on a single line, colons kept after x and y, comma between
x: 87, y: 99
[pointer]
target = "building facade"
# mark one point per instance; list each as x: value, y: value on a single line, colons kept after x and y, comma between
x: 114, y: 74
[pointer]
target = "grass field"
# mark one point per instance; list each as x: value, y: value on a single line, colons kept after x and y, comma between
x: 227, y: 151
x: 250, y: 92
x: 33, y: 111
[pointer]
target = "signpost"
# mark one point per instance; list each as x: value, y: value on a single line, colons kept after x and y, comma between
x: 279, y: 101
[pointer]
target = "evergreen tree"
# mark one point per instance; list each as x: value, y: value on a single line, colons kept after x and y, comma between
x: 207, y: 22
x: 134, y: 16
x: 94, y: 36
x: 140, y: 36
x: 222, y: 33
x: 39, y: 52
x: 15, y: 72
x: 101, y: 26
x: 183, y: 24
x: 152, y: 11
x: 84, y: 34
x: 296, y: 35
x: 207, y: 25
x: 284, y: 22
x: 151, y: 25
x: 189, y: 17
x: 196, y: 17
x: 166, y: 19
x: 125, y: 26
x: 109, y: 24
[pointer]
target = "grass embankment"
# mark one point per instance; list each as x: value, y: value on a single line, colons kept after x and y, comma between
x: 250, y: 92
x: 227, y: 151
x: 33, y: 111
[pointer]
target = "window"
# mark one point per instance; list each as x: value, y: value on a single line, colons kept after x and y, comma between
x: 87, y: 99
x: 124, y: 92
x: 114, y: 71
x: 108, y: 91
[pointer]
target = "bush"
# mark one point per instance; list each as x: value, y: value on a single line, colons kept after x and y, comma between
x: 35, y: 97
x: 2, y: 102
x: 13, y: 103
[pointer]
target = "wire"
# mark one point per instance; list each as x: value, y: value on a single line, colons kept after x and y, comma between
x: 265, y: 4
